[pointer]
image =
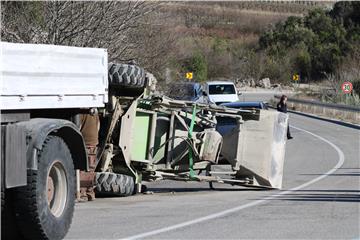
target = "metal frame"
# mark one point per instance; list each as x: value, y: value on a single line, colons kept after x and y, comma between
x: 174, y: 164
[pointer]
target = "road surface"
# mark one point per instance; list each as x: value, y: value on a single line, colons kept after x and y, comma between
x: 261, y: 95
x: 320, y: 199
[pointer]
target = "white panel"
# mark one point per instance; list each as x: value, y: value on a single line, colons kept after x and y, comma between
x: 51, y: 102
x: 43, y: 70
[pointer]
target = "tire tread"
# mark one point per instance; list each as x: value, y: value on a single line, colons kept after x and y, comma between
x: 25, y: 201
x: 126, y: 75
x: 114, y: 184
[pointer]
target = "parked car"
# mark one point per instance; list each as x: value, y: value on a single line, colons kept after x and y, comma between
x: 219, y: 92
x: 187, y: 91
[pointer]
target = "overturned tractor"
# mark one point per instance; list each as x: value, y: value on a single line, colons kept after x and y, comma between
x: 152, y: 137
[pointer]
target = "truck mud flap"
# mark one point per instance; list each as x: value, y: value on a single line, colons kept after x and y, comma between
x: 13, y: 155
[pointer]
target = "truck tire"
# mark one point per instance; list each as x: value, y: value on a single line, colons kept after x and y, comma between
x: 126, y: 75
x: 2, y: 200
x: 9, y: 228
x: 44, y: 208
x: 112, y: 184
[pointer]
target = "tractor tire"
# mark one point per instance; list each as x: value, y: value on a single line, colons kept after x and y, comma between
x: 44, y: 208
x: 126, y: 75
x: 112, y: 184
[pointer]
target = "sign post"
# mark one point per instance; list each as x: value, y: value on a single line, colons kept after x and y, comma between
x: 189, y: 75
x: 347, y: 87
x: 296, y: 78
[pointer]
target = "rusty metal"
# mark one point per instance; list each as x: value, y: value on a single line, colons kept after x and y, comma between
x: 91, y: 151
x: 87, y: 183
x: 51, y: 190
x: 87, y: 179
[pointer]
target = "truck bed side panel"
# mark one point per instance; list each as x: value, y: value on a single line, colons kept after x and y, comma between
x: 36, y: 76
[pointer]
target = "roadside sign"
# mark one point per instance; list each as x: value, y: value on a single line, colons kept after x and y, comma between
x: 347, y: 87
x: 296, y: 77
x: 189, y: 75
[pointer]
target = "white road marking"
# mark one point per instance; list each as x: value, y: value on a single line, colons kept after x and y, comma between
x: 251, y: 204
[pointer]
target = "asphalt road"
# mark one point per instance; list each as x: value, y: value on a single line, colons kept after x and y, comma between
x: 320, y: 199
x: 256, y: 96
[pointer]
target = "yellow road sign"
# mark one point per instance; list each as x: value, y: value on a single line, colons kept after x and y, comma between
x: 296, y: 77
x: 189, y: 75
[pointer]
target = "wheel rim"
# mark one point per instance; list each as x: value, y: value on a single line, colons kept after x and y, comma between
x: 56, y: 189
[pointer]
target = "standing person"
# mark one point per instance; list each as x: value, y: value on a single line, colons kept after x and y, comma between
x: 282, y: 107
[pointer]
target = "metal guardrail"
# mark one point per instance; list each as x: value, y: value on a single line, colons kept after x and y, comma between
x: 322, y: 104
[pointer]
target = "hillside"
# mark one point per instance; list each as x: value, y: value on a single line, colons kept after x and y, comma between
x: 248, y: 41
x: 224, y: 34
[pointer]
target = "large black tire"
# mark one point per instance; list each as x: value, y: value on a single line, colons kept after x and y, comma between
x: 112, y: 184
x: 126, y: 75
x: 2, y: 200
x: 9, y: 228
x: 41, y: 215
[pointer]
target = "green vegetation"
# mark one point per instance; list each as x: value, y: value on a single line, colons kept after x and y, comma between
x: 198, y: 66
x: 321, y: 45
x: 227, y: 35
x: 320, y: 40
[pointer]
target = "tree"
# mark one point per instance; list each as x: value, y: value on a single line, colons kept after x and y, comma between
x: 302, y: 62
x: 347, y: 12
x: 119, y: 27
x: 319, y: 42
x: 198, y: 65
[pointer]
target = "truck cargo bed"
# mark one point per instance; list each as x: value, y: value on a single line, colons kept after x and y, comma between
x: 35, y: 76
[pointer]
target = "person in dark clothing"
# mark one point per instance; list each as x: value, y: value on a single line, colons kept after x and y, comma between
x: 282, y: 107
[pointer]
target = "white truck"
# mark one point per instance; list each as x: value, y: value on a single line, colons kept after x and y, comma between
x: 142, y: 137
x: 43, y: 89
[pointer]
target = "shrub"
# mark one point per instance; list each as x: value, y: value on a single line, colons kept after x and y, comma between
x: 302, y: 63
x: 320, y: 42
x: 198, y: 65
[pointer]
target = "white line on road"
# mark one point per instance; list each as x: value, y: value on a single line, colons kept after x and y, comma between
x: 251, y: 204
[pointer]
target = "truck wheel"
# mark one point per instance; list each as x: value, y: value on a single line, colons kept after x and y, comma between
x: 112, y: 184
x: 44, y: 208
x: 126, y: 75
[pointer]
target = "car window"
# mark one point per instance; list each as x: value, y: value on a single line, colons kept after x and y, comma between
x: 221, y: 89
